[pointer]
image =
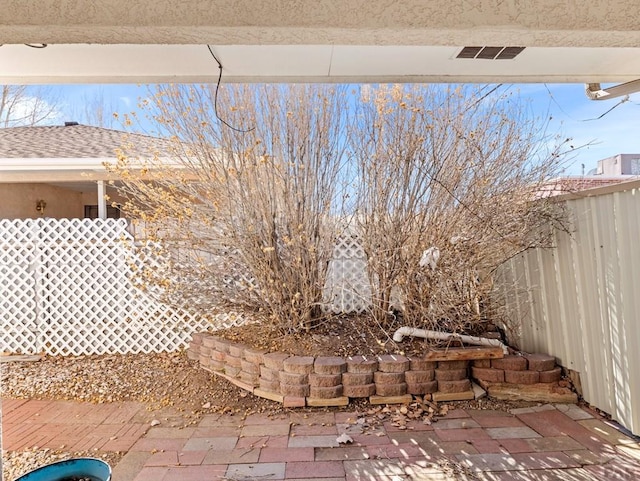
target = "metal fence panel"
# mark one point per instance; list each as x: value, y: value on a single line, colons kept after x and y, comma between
x: 580, y: 301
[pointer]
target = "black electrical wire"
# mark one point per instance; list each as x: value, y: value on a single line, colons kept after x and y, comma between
x: 215, y: 96
x: 624, y: 100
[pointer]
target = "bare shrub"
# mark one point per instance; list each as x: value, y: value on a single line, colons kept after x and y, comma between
x: 438, y: 184
x: 447, y: 181
x: 246, y: 214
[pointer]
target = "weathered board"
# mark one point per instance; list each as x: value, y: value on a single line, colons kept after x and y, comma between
x: 464, y: 353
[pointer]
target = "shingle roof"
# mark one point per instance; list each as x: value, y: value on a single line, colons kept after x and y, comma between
x: 74, y: 141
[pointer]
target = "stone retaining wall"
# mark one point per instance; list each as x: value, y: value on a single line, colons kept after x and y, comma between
x: 389, y: 378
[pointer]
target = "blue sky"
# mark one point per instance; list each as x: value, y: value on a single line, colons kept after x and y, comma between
x: 572, y: 114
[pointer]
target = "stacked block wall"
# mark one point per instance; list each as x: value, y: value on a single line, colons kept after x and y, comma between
x: 328, y: 380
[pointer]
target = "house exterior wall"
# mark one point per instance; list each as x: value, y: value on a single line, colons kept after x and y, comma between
x: 579, y: 301
x: 18, y: 201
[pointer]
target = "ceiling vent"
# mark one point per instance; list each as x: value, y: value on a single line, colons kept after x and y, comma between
x: 490, y: 53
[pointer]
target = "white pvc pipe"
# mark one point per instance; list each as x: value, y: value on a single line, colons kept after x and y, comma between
x: 447, y: 336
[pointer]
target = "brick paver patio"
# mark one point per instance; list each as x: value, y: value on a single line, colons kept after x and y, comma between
x: 548, y: 443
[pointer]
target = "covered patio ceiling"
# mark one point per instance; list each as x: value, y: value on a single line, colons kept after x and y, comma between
x: 319, y: 41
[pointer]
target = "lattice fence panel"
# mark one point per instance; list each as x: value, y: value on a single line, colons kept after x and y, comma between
x: 18, y: 309
x: 347, y: 289
x: 66, y: 290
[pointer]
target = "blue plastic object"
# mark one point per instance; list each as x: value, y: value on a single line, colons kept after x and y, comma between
x: 71, y: 469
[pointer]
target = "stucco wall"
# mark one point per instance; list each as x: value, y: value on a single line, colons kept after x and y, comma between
x: 18, y: 201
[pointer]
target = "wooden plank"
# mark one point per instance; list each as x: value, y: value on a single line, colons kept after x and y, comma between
x: 272, y: 396
x: 406, y: 399
x: 319, y: 402
x: 542, y: 392
x: 20, y: 358
x: 464, y: 353
x: 454, y: 396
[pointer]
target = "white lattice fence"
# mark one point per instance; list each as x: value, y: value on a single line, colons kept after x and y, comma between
x: 18, y: 309
x: 65, y: 289
x: 347, y: 288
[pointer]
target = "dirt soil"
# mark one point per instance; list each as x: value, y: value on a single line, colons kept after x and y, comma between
x: 339, y: 336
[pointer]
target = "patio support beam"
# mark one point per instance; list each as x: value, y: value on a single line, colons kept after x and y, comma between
x: 102, y: 201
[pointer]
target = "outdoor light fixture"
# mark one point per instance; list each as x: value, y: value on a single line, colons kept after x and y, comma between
x: 40, y: 206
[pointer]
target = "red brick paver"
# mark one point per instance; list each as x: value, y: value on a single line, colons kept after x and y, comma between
x: 70, y: 425
x: 543, y: 442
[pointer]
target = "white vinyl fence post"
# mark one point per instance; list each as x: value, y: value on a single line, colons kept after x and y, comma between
x: 102, y: 202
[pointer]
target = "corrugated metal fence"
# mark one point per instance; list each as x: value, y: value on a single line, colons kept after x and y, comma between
x: 581, y: 301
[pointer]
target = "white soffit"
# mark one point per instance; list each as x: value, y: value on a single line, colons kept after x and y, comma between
x: 119, y: 63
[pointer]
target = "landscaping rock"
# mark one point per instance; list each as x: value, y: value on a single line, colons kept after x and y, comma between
x: 222, y: 345
x: 299, y: 364
x: 393, y: 363
x: 218, y: 356
x: 231, y: 371
x: 391, y: 389
x: 233, y: 361
x: 216, y: 365
x: 487, y: 374
x: 483, y: 363
x: 275, y: 360
x: 417, y: 377
x: 454, y: 386
x: 553, y: 375
x: 422, y: 387
x: 294, y: 390
x: 361, y: 364
x: 359, y: 391
x: 521, y: 377
x: 293, y: 378
x: 388, y: 377
x: 269, y: 374
x: 249, y: 378
x: 236, y: 350
x: 329, y: 365
x: 326, y: 392
x: 510, y: 363
x: 419, y: 364
x: 209, y: 341
x: 451, y: 374
x: 271, y: 386
x: 357, y: 379
x: 193, y: 354
x: 250, y: 367
x: 255, y: 356
x: 540, y: 362
x: 325, y: 380
x: 452, y: 365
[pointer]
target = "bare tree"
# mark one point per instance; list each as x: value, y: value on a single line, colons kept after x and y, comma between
x: 97, y: 109
x: 22, y: 105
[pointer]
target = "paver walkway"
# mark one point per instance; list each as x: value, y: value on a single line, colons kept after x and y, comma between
x: 548, y: 443
x: 70, y: 425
